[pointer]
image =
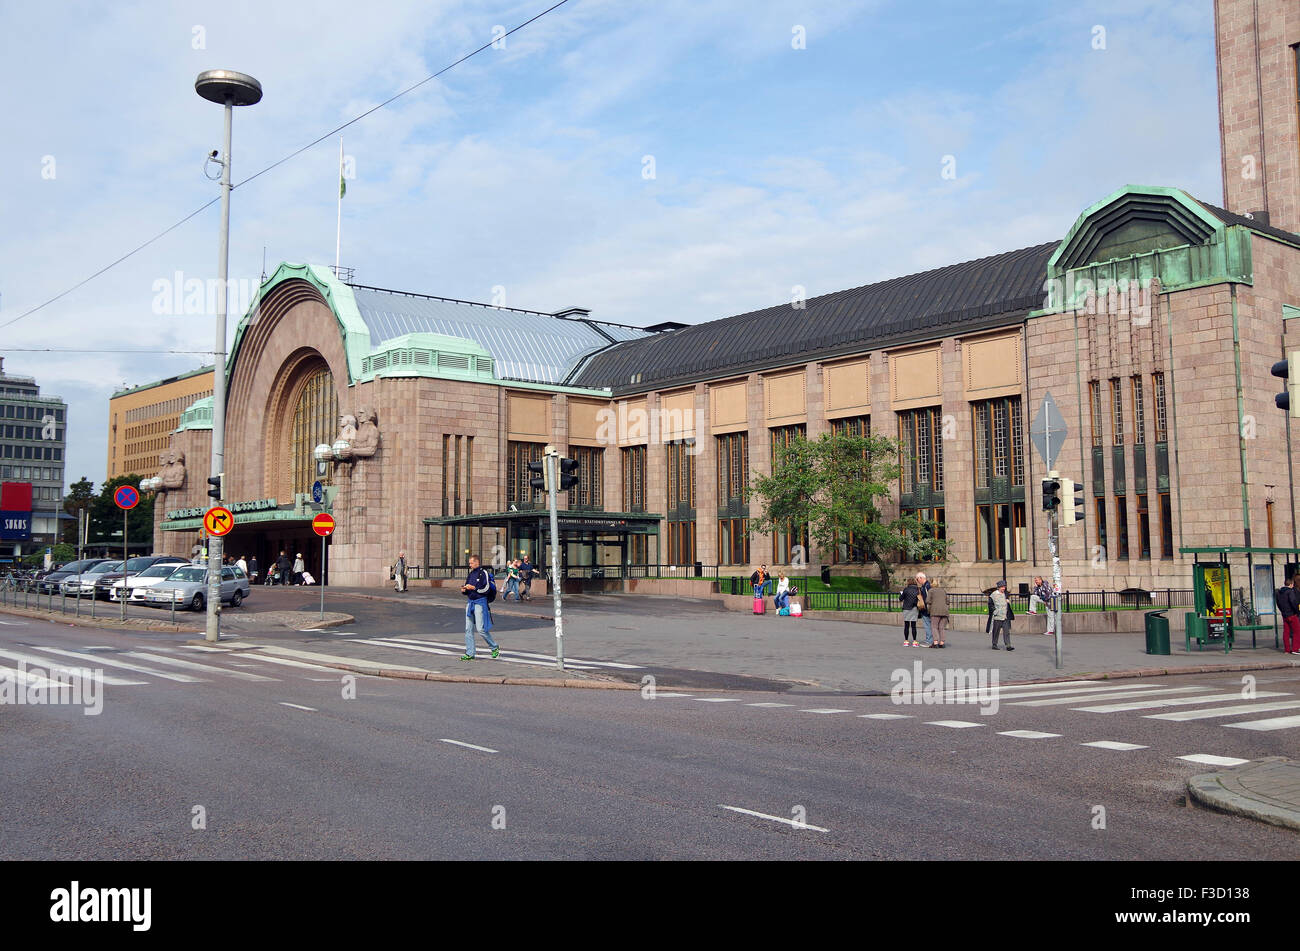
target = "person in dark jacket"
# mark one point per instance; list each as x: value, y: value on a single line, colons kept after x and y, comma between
x: 1000, y: 616
x: 477, y: 614
x: 1288, y: 605
x: 283, y: 564
x: 908, y: 597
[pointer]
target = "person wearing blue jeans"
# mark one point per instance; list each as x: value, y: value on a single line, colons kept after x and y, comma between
x: 923, y: 587
x: 477, y: 613
x: 759, y: 580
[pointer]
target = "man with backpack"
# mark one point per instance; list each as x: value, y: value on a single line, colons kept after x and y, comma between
x: 526, y: 578
x: 480, y: 590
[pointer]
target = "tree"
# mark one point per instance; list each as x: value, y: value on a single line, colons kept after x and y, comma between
x: 106, y: 517
x: 78, y: 499
x: 838, y: 485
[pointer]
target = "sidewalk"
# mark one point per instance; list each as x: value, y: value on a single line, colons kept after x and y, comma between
x: 1268, y: 790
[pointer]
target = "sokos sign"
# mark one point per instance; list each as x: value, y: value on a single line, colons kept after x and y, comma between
x: 15, y: 526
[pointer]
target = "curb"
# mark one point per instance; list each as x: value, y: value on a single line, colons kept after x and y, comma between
x: 98, y: 622
x: 1208, y: 790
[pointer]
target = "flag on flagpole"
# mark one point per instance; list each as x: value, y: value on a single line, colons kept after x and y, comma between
x: 343, y: 185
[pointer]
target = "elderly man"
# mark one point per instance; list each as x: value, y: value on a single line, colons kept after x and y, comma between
x: 399, y: 572
x: 923, y: 606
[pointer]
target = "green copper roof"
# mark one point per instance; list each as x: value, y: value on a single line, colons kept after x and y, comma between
x: 198, y: 415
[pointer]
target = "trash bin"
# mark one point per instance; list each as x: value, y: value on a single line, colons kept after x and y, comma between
x: 826, y: 575
x: 1157, y: 632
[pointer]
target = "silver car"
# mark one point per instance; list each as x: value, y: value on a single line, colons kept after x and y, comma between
x: 188, y: 586
x: 84, y: 583
x: 139, y: 584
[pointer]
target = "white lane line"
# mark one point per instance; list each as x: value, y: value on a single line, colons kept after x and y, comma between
x: 1174, y: 702
x: 112, y: 662
x: 310, y: 656
x: 550, y: 662
x: 46, y: 664
x: 660, y: 696
x: 209, y: 650
x: 284, y: 662
x: 769, y: 704
x: 955, y: 724
x: 1161, y: 691
x: 1225, y: 711
x: 188, y: 665
x: 885, y: 716
x: 763, y: 815
x: 1209, y: 760
x: 1043, y: 690
x: 298, y: 706
x: 1276, y: 723
x: 471, y: 746
x: 825, y: 710
x: 1099, y: 689
x: 1113, y: 745
x: 718, y: 699
x: 14, y: 623
x: 1028, y: 734
x: 27, y: 678
x: 520, y: 656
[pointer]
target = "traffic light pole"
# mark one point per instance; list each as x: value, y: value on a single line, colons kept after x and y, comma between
x: 553, y: 479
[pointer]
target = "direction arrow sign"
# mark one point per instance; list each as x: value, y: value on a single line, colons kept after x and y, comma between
x: 1048, y: 431
x: 323, y: 524
x: 218, y: 521
x: 126, y: 497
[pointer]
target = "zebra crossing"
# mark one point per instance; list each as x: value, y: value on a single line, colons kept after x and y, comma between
x: 426, y: 647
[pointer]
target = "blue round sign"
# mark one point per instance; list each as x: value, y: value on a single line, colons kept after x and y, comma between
x: 317, y: 492
x: 126, y: 497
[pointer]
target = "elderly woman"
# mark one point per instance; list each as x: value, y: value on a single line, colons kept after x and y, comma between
x: 909, y: 597
x: 936, y: 603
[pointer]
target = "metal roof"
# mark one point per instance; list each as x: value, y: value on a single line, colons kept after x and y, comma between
x: 974, y: 294
x: 525, y: 345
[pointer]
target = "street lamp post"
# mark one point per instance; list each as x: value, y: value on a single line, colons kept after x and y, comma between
x: 230, y: 89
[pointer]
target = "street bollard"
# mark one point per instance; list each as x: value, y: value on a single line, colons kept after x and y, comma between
x: 78, y: 604
x: 173, y: 609
x: 63, y: 602
x: 92, y: 603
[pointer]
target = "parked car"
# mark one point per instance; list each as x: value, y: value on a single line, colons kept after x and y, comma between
x: 139, y: 584
x: 188, y: 586
x: 104, y: 583
x: 83, y: 584
x: 51, y: 582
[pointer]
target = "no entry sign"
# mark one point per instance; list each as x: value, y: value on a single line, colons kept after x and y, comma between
x: 323, y: 524
x: 126, y: 497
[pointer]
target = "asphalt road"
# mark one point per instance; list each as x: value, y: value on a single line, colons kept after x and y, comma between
x: 280, y: 764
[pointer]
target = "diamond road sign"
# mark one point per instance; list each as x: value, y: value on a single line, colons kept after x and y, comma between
x: 1048, y: 431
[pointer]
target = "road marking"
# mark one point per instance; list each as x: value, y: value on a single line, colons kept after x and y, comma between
x: 1174, y: 702
x: 46, y: 664
x: 1083, y: 688
x: 1113, y: 745
x: 211, y: 650
x: 885, y: 716
x: 111, y: 662
x: 471, y: 746
x: 546, y: 662
x: 284, y: 662
x: 955, y: 724
x: 763, y: 815
x: 1162, y: 691
x: 825, y: 710
x: 1277, y: 723
x: 14, y: 623
x: 718, y: 699
x: 660, y: 696
x: 312, y: 656
x: 187, y: 665
x: 298, y: 706
x: 769, y: 704
x: 1209, y: 760
x: 523, y: 656
x: 1225, y: 711
x: 1028, y: 734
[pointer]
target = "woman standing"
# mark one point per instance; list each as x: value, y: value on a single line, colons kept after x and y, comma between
x: 299, y: 566
x: 908, y: 597
x: 937, y: 602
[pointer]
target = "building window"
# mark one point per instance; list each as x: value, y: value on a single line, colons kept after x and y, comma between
x: 1139, y: 417
x: 1099, y: 504
x: 1000, y: 532
x: 315, y: 421
x: 1166, y: 527
x: 999, y: 443
x: 681, y: 543
x: 587, y: 494
x: 733, y: 469
x: 1144, y: 527
x: 920, y: 432
x: 849, y: 548
x: 1117, y: 411
x: 859, y: 426
x: 518, y: 490
x: 1121, y: 527
x: 634, y: 480
x: 1158, y: 386
x: 1094, y: 399
x: 681, y: 504
x: 733, y: 541
x: 790, y: 540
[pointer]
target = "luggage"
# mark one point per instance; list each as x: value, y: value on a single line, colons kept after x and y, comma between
x: 307, y: 578
x: 796, y: 610
x: 759, y: 605
x: 784, y: 612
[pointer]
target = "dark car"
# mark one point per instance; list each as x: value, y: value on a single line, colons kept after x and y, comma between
x: 104, y: 583
x: 50, y: 583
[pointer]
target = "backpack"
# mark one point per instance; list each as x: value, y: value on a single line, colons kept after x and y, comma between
x: 492, y: 586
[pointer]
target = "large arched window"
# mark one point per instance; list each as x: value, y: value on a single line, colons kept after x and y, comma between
x: 315, y: 421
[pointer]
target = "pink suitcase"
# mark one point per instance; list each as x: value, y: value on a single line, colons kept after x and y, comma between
x: 760, y: 606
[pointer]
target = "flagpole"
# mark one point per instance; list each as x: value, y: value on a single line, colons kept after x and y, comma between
x: 338, y: 239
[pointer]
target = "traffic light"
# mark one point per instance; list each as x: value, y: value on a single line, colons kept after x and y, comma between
x: 215, y: 482
x: 1289, y: 370
x: 538, y: 479
x: 1051, y: 494
x: 1071, y: 502
x: 568, y: 474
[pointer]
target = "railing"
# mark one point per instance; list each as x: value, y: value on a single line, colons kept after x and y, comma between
x: 1072, y: 602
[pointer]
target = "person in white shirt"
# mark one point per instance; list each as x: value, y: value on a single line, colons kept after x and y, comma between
x: 783, y: 592
x: 242, y: 565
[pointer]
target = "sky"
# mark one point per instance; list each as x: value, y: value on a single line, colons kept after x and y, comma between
x: 670, y: 160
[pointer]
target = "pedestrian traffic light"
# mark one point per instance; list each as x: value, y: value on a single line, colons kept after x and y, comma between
x: 568, y: 473
x: 1071, y: 502
x: 538, y: 480
x: 1051, y: 494
x: 215, y: 482
x: 1289, y: 370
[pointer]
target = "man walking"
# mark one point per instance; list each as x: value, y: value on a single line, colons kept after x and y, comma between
x: 1288, y: 604
x: 283, y: 564
x: 526, y: 577
x: 477, y: 613
x: 399, y: 572
x: 252, y: 570
x: 1002, y: 615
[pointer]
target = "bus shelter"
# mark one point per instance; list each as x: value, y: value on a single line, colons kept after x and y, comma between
x: 1218, y: 615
